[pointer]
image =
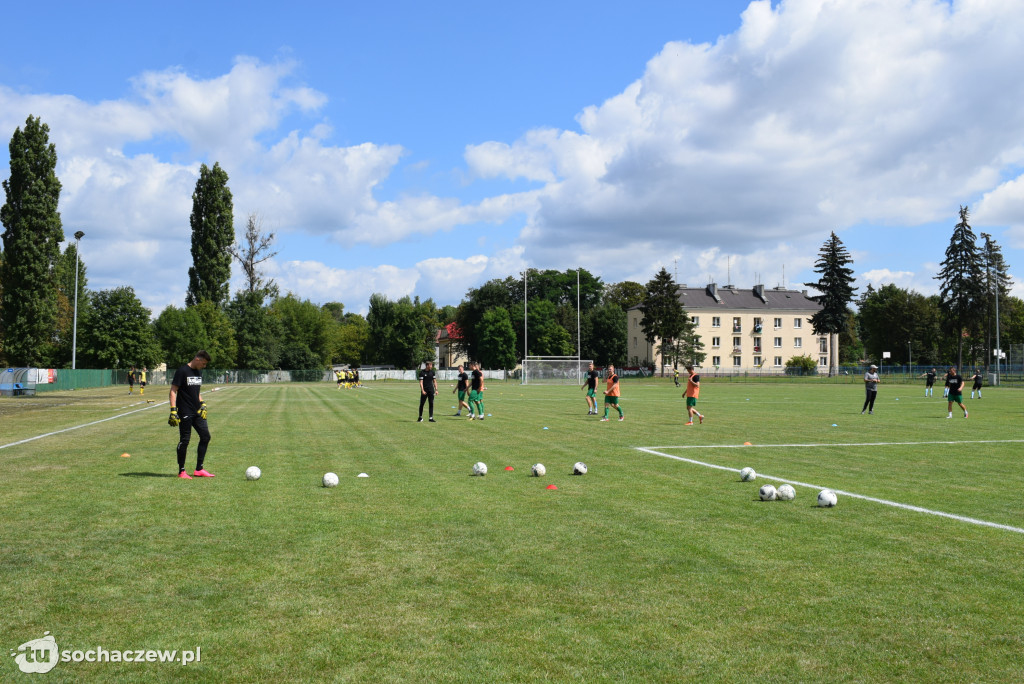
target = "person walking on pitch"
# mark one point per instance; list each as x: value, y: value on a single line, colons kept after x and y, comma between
x: 929, y: 382
x: 186, y: 395
x: 692, y: 391
x: 870, y: 389
x: 591, y: 384
x: 977, y: 384
x: 428, y: 388
x: 131, y: 380
x: 611, y: 394
x: 476, y: 392
x: 956, y: 388
x: 462, y: 388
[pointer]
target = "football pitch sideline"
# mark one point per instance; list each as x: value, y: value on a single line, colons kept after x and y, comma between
x: 659, y: 564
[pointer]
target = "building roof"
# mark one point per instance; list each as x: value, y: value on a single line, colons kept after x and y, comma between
x: 757, y: 298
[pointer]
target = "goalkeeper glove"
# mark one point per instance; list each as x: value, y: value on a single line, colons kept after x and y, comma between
x: 202, y: 410
x: 174, y: 420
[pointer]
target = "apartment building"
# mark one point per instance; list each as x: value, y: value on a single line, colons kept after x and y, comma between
x: 742, y: 328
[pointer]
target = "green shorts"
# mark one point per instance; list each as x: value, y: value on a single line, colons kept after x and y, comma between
x: 591, y: 392
x: 462, y: 395
x: 691, y: 401
x: 956, y: 397
x: 476, y: 395
x: 614, y: 401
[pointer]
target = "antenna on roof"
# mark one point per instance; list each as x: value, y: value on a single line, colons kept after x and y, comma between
x: 728, y: 270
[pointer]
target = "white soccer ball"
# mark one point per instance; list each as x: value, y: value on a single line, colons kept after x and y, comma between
x: 786, y: 492
x: 748, y: 475
x: 579, y: 468
x: 538, y: 470
x: 768, y: 493
x: 827, y: 498
x: 252, y: 473
x: 330, y: 480
x: 480, y: 468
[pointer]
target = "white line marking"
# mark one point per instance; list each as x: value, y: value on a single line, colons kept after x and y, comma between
x: 833, y: 444
x: 76, y: 427
x: 895, y: 504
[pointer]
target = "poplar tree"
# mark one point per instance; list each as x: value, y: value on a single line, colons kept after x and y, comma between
x: 836, y: 288
x: 31, y: 239
x: 962, y: 293
x: 213, y: 232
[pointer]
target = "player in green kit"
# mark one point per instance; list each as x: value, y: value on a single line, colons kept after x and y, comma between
x: 591, y: 384
x: 462, y: 388
x: 476, y: 392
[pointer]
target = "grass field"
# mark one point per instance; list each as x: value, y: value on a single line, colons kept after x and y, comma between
x: 647, y: 569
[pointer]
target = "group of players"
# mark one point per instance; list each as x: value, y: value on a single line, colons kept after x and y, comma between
x: 347, y: 378
x: 137, y: 376
x: 954, y: 388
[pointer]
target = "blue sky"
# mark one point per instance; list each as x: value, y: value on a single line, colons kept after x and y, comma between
x: 420, y: 149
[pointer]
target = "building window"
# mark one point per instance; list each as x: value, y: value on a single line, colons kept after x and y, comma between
x: 716, y: 322
x: 737, y: 341
x: 737, y: 361
x: 757, y: 344
x: 716, y: 341
x: 778, y: 361
x: 823, y: 361
x: 634, y: 339
x: 695, y: 319
x: 823, y: 345
x: 778, y: 342
x: 778, y: 323
x: 798, y: 342
x: 757, y: 361
x: 716, y: 361
x: 736, y: 327
x: 797, y: 322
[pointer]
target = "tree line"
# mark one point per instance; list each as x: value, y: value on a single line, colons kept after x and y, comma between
x: 565, y: 312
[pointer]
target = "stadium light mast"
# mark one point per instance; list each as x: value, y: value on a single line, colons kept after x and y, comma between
x: 526, y: 299
x: 579, y: 339
x: 74, y: 327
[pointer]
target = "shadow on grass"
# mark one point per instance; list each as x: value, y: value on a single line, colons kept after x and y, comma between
x: 147, y: 475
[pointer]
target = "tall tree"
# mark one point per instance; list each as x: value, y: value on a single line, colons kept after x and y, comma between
x: 497, y: 340
x: 962, y: 290
x: 401, y: 333
x: 836, y: 287
x: 31, y: 239
x: 180, y: 333
x: 663, y: 316
x: 605, y: 335
x: 626, y: 294
x: 118, y: 333
x: 258, y: 346
x: 997, y: 284
x: 213, y: 233
x: 253, y: 251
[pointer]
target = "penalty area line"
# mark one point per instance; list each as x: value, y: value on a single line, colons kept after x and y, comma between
x: 833, y: 444
x: 894, y: 504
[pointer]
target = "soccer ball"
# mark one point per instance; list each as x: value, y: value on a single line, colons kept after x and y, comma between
x: 579, y: 468
x: 827, y: 498
x: 748, y: 475
x: 480, y: 468
x: 252, y: 473
x: 786, y: 492
x: 538, y: 470
x: 767, y: 493
x: 330, y: 480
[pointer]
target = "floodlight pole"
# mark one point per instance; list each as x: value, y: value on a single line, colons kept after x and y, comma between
x: 74, y: 328
x: 526, y: 299
x: 999, y: 347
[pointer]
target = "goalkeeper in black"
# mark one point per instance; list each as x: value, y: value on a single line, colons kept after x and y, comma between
x: 188, y: 410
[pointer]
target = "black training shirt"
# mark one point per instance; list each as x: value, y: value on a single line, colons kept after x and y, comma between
x: 463, y: 382
x: 189, y: 382
x: 428, y: 381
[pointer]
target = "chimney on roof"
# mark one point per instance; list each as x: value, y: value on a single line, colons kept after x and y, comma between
x: 713, y: 291
x: 759, y: 293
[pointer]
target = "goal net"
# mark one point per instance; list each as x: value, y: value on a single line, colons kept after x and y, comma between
x: 554, y: 370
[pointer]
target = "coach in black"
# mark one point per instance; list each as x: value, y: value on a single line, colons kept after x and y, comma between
x: 428, y: 388
x: 186, y: 394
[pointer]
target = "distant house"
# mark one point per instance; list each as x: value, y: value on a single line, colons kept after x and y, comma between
x: 742, y: 328
x: 448, y: 356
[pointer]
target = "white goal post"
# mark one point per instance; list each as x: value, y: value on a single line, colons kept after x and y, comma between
x: 554, y: 370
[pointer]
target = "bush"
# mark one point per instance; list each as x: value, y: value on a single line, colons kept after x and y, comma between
x: 801, y: 365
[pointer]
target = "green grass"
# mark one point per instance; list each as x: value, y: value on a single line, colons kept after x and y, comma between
x: 646, y: 569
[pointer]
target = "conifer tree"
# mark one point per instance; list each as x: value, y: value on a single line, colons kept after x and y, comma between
x: 213, y: 232
x: 962, y: 292
x: 836, y: 287
x: 31, y: 239
x: 663, y: 316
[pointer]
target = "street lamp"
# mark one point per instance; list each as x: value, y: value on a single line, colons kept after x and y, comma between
x: 78, y: 265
